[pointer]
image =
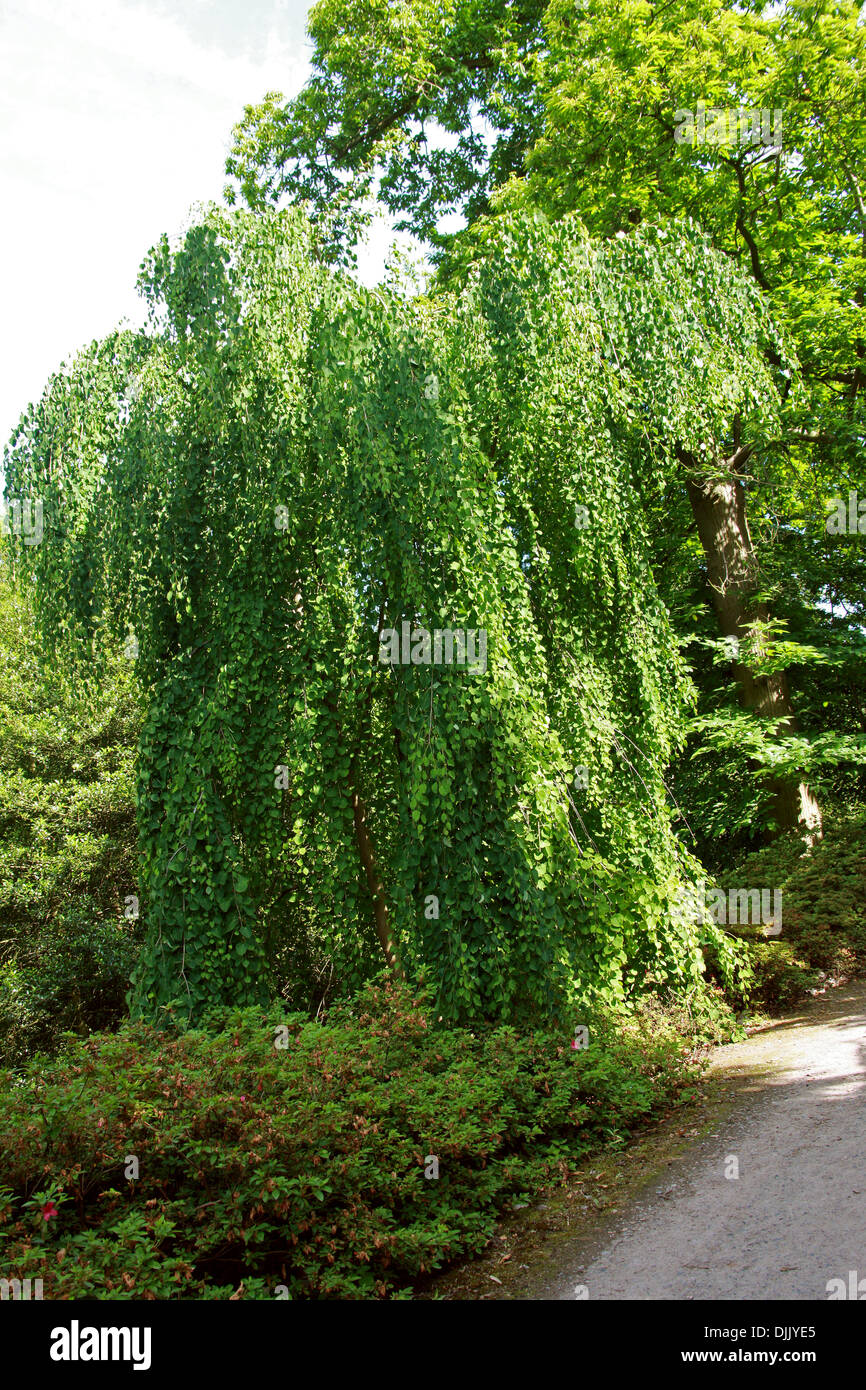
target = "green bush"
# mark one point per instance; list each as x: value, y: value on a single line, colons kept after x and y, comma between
x: 823, y: 916
x: 303, y: 1166
x: 67, y: 844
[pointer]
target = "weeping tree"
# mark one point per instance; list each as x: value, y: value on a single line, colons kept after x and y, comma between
x: 381, y: 564
x: 627, y: 113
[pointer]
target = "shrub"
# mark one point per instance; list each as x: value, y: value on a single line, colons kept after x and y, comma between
x: 67, y: 844
x: 823, y: 919
x: 303, y: 1166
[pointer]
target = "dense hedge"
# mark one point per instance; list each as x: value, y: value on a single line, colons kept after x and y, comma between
x: 303, y: 1166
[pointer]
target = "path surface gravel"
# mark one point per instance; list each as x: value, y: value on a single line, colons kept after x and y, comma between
x: 793, y: 1219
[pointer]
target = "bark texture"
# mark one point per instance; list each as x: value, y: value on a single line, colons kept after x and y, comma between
x: 719, y: 509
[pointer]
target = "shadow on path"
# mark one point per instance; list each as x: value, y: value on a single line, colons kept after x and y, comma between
x: 789, y: 1118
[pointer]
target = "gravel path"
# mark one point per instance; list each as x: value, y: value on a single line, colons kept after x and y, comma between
x: 793, y: 1219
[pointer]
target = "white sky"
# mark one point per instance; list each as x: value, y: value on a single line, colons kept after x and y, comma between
x: 116, y: 117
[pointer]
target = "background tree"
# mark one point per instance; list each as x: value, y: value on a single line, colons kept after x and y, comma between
x: 384, y: 78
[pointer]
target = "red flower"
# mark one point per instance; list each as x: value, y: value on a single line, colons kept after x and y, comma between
x: 48, y: 1211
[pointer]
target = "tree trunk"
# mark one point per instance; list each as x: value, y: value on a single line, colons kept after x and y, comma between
x: 719, y: 509
x: 374, y: 881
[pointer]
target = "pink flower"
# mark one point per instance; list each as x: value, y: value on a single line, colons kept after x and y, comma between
x: 48, y: 1211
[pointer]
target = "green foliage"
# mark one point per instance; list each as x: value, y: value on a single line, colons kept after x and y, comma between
x: 271, y: 388
x: 564, y: 109
x: 614, y: 79
x: 67, y: 843
x: 383, y: 76
x: 304, y: 1166
x: 823, y: 936
x: 568, y: 108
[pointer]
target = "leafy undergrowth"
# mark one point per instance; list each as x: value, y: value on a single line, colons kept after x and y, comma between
x: 823, y: 938
x: 69, y: 933
x: 299, y: 1171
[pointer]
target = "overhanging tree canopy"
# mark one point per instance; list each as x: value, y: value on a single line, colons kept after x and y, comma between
x: 285, y: 466
x: 473, y: 107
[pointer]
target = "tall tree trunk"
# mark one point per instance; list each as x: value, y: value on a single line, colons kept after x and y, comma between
x: 719, y: 509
